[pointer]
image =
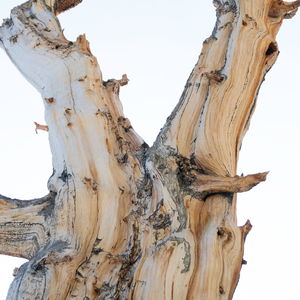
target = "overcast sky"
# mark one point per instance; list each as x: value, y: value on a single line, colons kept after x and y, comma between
x: 157, y: 44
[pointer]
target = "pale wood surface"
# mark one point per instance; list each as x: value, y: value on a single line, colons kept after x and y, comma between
x: 124, y: 220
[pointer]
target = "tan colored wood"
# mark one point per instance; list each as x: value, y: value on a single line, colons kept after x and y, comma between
x: 124, y: 220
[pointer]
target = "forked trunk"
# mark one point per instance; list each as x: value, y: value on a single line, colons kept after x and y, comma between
x: 124, y: 220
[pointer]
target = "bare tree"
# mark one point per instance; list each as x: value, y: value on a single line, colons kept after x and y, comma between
x: 123, y: 220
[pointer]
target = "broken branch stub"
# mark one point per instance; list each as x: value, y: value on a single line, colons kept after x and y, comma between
x: 59, y: 6
x: 207, y: 184
x: 40, y: 127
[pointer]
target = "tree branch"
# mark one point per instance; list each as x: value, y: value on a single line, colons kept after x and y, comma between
x: 59, y: 6
x: 206, y: 184
x: 22, y: 225
x: 284, y: 9
x: 216, y: 106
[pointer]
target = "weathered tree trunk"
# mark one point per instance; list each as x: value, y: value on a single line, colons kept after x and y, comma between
x: 123, y: 220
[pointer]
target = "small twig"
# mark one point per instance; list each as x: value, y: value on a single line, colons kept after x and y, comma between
x: 245, y: 229
x: 40, y: 127
x: 124, y: 80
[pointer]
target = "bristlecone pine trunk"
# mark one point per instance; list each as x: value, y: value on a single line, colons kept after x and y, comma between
x: 123, y: 220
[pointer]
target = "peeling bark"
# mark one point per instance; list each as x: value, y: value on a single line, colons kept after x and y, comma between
x: 124, y: 220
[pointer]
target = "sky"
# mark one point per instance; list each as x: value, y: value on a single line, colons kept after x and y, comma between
x: 157, y: 44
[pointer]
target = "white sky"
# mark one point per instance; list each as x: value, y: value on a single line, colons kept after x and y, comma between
x: 157, y: 44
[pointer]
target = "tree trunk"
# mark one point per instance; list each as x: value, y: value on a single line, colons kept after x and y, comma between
x: 123, y: 220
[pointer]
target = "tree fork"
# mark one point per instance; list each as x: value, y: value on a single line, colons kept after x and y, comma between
x: 122, y: 220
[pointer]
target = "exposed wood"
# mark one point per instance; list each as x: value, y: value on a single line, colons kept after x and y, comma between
x: 24, y: 225
x: 124, y: 220
x: 40, y: 127
x: 283, y: 9
x: 59, y: 6
x: 207, y: 184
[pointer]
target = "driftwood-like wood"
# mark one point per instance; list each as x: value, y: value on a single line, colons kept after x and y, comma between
x: 124, y: 220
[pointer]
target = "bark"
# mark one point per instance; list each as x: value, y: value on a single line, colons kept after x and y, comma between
x: 124, y: 220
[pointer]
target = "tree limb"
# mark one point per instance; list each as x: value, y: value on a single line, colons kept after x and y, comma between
x: 59, y: 6
x: 22, y: 225
x: 207, y: 184
x: 284, y: 9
